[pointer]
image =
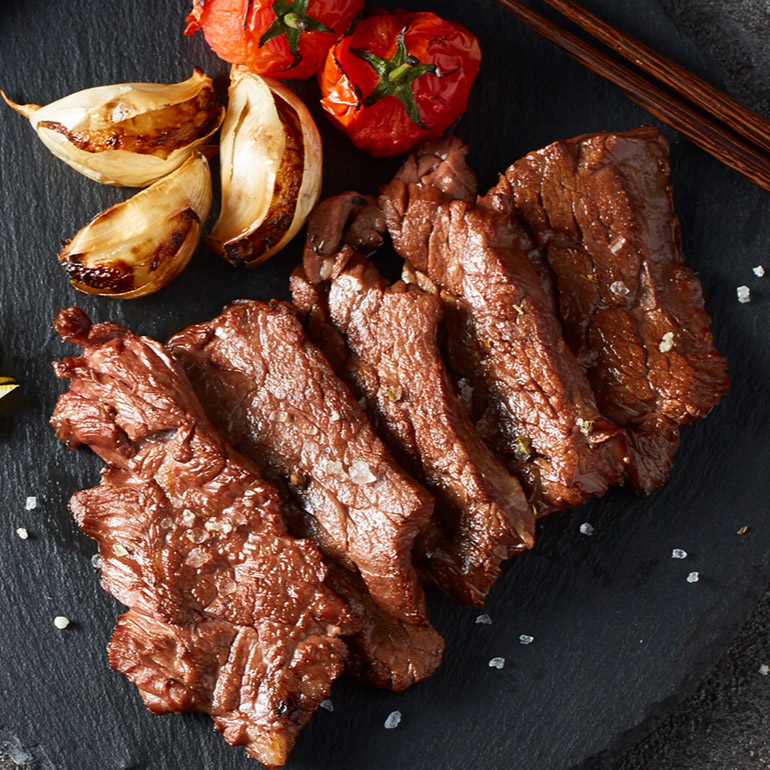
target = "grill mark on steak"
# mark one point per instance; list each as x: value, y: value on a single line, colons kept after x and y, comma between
x: 383, y: 339
x: 273, y: 394
x: 228, y: 614
x: 601, y: 208
x: 503, y: 334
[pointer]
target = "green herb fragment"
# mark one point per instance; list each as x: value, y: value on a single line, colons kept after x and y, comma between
x: 525, y: 444
x: 7, y: 385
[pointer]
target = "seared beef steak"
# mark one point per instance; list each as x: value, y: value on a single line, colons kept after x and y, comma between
x: 600, y: 206
x: 275, y: 396
x: 503, y: 333
x: 228, y: 613
x: 389, y: 356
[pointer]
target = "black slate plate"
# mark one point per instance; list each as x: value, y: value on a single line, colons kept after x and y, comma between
x: 617, y: 627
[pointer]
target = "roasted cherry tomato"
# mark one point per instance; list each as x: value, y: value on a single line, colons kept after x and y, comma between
x: 397, y: 78
x: 286, y: 38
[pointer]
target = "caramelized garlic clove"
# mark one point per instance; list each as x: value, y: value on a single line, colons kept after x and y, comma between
x: 129, y: 134
x: 270, y: 165
x: 138, y: 246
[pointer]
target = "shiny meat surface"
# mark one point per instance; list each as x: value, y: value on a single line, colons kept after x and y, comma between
x: 601, y: 208
x: 228, y: 613
x: 503, y: 334
x: 392, y: 359
x: 271, y: 392
x: 278, y: 399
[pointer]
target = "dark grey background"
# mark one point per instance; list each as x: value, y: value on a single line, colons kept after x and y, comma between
x: 724, y: 724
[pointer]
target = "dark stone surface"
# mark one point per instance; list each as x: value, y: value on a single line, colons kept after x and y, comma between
x: 600, y: 593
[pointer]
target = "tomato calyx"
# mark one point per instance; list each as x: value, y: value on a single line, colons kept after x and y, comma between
x: 396, y: 75
x: 292, y: 19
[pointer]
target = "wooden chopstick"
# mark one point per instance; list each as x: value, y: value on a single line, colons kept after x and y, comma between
x: 696, y: 90
x: 701, y: 130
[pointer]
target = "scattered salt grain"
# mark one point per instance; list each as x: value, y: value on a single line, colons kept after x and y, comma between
x: 764, y: 669
x: 31, y: 503
x: 666, y: 342
x: 617, y: 244
x: 586, y: 529
x: 360, y: 473
x: 484, y: 620
x: 327, y: 704
x: 393, y: 720
x: 759, y: 271
x: 693, y: 577
x: 466, y: 391
x: 497, y: 663
x: 586, y: 426
x: 96, y: 561
x: 678, y: 553
x: 526, y: 639
x: 619, y: 288
x: 61, y: 622
x: 22, y: 533
x: 744, y: 294
x: 334, y: 468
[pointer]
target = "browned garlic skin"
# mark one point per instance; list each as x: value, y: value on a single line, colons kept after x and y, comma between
x: 270, y: 167
x: 128, y: 134
x: 138, y: 246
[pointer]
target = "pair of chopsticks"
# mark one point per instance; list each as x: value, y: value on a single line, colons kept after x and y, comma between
x: 709, y: 118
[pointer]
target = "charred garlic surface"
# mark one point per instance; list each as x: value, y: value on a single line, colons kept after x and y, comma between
x: 129, y: 134
x: 270, y: 160
x: 138, y: 246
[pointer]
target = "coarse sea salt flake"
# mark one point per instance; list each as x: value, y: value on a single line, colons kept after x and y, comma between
x: 497, y: 663
x: 619, y: 288
x: 586, y: 529
x: 744, y: 294
x: 617, y: 244
x: 96, y: 561
x: 678, y: 553
x: 526, y: 639
x: 22, y: 533
x: 764, y: 669
x: 759, y: 271
x: 61, y: 622
x: 327, y: 704
x: 484, y: 620
x: 360, y: 473
x: 30, y: 503
x: 393, y: 720
x: 693, y: 577
x: 666, y: 342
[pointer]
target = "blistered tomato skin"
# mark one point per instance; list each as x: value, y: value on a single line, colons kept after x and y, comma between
x: 381, y: 71
x: 284, y: 38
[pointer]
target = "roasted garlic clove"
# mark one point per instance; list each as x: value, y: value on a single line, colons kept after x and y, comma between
x: 270, y: 161
x: 138, y: 246
x: 130, y: 134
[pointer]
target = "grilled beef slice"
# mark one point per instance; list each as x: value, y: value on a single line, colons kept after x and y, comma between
x: 392, y: 360
x: 503, y: 334
x: 601, y: 208
x: 276, y: 398
x: 229, y: 614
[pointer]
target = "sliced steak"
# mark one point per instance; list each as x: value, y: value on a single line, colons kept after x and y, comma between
x: 503, y: 335
x: 274, y: 395
x: 389, y: 334
x: 228, y: 613
x: 601, y: 208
